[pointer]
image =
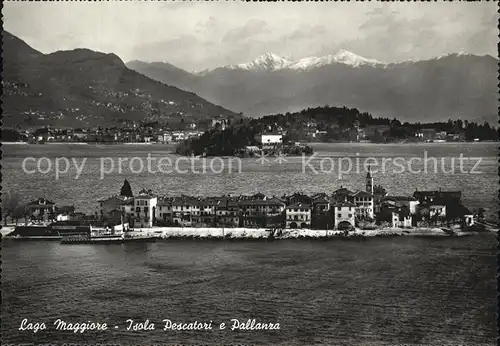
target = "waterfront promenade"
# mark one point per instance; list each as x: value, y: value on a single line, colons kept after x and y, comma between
x: 265, y: 233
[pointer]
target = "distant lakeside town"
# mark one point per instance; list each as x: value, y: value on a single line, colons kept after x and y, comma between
x: 239, y: 137
x: 368, y: 209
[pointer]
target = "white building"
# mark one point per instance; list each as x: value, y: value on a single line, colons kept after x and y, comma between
x: 437, y: 211
x: 468, y: 220
x: 144, y: 209
x: 270, y: 138
x: 400, y: 218
x: 364, y: 204
x: 298, y: 215
x: 344, y: 214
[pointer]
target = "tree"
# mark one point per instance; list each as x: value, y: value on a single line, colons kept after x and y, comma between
x: 21, y: 211
x: 10, y: 203
x: 126, y: 190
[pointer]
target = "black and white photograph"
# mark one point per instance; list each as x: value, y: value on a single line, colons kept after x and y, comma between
x: 249, y: 173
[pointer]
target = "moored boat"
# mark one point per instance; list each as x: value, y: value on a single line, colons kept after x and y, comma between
x: 106, y: 238
x: 52, y: 231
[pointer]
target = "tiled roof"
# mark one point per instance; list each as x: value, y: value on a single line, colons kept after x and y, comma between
x: 271, y: 201
x: 320, y: 199
x: 362, y: 194
x: 438, y: 194
x: 342, y: 191
x: 115, y: 197
x: 299, y: 206
x: 41, y: 201
x: 398, y: 198
x: 344, y: 204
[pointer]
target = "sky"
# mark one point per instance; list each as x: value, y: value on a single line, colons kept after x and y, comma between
x: 200, y: 35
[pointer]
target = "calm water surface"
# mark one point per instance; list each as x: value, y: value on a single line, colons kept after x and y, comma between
x: 377, y: 291
x: 479, y: 190
x: 339, y: 292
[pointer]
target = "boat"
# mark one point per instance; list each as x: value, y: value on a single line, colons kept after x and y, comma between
x: 106, y: 238
x: 51, y: 231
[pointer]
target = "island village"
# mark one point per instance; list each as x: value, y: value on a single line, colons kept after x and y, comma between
x: 369, y: 210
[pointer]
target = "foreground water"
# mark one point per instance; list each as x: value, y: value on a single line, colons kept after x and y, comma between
x: 479, y: 184
x: 373, y: 291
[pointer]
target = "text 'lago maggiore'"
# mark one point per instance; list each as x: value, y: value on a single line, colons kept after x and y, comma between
x: 165, y: 325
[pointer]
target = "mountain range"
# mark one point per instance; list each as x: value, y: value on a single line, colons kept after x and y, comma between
x: 273, y: 62
x: 84, y: 88
x: 446, y: 87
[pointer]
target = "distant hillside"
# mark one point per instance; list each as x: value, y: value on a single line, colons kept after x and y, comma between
x: 328, y: 124
x: 81, y: 88
x: 449, y: 87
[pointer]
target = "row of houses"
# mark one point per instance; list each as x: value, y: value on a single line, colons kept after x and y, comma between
x: 342, y: 209
x: 110, y: 135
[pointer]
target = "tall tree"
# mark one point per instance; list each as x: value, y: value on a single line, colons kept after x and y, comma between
x: 10, y: 202
x: 126, y: 190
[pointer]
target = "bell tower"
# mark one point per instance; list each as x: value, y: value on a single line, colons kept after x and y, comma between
x: 369, y: 181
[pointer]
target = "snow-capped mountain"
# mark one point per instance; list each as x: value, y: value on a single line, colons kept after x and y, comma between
x: 342, y: 57
x: 265, y: 62
x: 411, y: 91
x: 273, y: 62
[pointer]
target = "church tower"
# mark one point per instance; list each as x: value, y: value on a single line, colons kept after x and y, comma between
x: 369, y: 181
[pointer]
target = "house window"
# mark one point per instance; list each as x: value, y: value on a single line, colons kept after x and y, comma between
x: 145, y: 209
x: 339, y: 215
x: 138, y: 209
x: 350, y: 215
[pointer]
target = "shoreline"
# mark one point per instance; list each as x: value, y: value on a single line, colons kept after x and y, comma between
x: 306, y: 143
x: 91, y: 143
x: 247, y: 234
x: 218, y: 233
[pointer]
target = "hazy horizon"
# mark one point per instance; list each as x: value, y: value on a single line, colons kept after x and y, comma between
x: 196, y: 36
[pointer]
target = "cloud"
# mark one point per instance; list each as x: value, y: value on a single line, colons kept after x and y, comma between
x: 198, y: 35
x: 252, y: 28
x: 391, y: 34
x: 307, y: 32
x: 208, y: 24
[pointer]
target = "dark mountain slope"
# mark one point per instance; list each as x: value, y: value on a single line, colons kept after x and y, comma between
x: 85, y: 88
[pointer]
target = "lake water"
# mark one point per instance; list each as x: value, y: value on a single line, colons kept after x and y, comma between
x: 479, y: 186
x: 378, y: 291
x: 337, y: 292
